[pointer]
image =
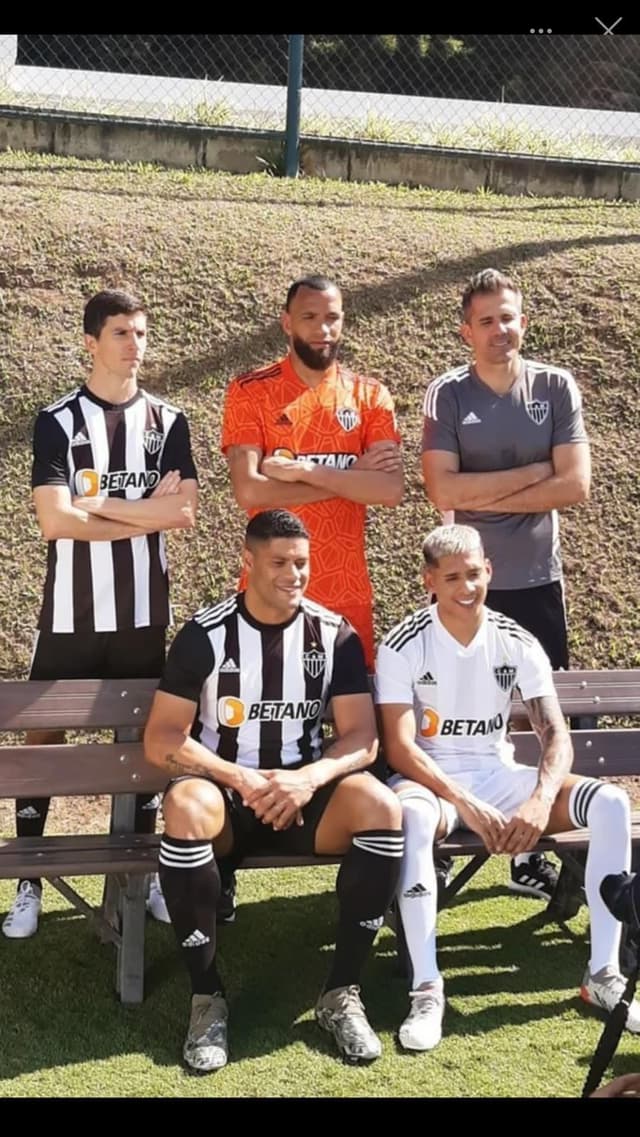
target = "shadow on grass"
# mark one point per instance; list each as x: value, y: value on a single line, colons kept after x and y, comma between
x: 58, y: 1005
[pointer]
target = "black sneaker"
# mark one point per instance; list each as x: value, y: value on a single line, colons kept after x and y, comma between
x: 534, y: 877
x: 226, y: 913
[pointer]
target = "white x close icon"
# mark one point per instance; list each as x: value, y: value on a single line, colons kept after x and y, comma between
x: 607, y: 31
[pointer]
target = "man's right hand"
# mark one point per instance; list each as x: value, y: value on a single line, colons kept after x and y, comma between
x: 246, y: 780
x: 484, y: 820
x: 385, y: 457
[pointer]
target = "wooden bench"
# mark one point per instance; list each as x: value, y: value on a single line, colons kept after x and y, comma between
x: 119, y: 769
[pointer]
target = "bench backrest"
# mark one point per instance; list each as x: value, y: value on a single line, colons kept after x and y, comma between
x: 110, y: 768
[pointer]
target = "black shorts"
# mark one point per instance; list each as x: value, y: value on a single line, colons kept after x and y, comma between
x: 541, y: 611
x: 137, y: 653
x: 251, y: 837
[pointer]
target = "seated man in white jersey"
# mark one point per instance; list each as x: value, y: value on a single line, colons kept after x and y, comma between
x: 444, y: 682
x: 237, y: 723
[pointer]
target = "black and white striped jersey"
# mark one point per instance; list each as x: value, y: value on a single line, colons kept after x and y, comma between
x: 461, y: 695
x: 117, y: 450
x: 262, y: 689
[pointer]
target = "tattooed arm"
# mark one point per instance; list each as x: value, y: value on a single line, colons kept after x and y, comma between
x: 532, y: 818
x: 168, y: 744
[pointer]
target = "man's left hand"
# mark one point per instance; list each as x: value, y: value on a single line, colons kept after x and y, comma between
x: 525, y: 828
x: 280, y: 800
x: 284, y: 469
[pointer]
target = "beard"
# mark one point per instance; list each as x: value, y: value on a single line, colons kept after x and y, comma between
x: 318, y: 359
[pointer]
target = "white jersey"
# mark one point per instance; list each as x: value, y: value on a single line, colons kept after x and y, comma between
x: 461, y: 695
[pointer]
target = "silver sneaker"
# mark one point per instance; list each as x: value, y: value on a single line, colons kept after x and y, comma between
x: 340, y: 1012
x: 206, y: 1047
x: 422, y: 1028
x: 605, y: 989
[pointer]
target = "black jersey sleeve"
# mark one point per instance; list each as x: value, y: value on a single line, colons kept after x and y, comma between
x: 50, y: 446
x: 189, y: 663
x: 177, y: 450
x: 349, y: 675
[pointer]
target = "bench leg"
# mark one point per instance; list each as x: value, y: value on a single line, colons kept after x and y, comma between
x: 130, y: 965
x: 462, y: 877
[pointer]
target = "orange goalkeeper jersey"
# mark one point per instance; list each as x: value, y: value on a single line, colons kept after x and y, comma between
x: 332, y: 424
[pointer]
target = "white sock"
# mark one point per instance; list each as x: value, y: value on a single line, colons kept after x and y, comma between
x: 605, y: 809
x: 417, y: 894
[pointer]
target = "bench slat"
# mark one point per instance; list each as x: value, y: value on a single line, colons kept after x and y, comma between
x: 75, y: 703
x: 597, y: 753
x: 92, y: 768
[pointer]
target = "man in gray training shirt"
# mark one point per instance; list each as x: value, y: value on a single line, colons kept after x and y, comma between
x: 504, y: 448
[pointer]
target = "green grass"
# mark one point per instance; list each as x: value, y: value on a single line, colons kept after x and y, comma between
x: 514, y: 1025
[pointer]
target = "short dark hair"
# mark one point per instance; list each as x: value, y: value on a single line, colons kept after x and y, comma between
x: 317, y: 283
x: 271, y: 524
x: 109, y: 302
x: 486, y: 281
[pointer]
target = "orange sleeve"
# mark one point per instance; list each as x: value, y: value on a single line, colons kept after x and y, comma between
x: 241, y: 418
x: 380, y: 420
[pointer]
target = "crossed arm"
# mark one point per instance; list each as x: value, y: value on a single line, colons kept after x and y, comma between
x: 275, y: 796
x: 376, y: 478
x: 535, y: 488
x: 172, y: 505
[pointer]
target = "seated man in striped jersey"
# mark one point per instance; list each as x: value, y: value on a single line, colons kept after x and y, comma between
x: 444, y: 682
x: 237, y: 723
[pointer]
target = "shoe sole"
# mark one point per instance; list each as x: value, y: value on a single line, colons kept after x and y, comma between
x: 9, y: 935
x: 528, y: 890
x: 418, y: 1049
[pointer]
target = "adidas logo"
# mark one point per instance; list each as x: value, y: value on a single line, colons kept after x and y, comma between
x: 80, y: 439
x: 283, y: 420
x: 28, y: 812
x: 373, y: 925
x: 196, y: 939
x: 470, y: 419
x: 418, y: 890
x: 230, y: 666
x: 427, y: 678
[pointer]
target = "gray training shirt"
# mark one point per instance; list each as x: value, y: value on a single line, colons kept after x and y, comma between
x: 490, y: 432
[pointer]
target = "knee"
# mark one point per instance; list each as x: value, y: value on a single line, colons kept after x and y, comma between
x: 193, y: 808
x: 420, y: 816
x: 612, y: 804
x: 373, y: 805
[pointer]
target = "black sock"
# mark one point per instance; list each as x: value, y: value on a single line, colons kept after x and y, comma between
x: 191, y: 885
x: 366, y: 885
x: 147, y: 806
x: 31, y: 815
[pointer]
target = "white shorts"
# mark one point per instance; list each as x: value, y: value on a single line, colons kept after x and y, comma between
x: 503, y: 787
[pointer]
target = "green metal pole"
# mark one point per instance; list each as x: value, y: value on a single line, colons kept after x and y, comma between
x: 294, y: 89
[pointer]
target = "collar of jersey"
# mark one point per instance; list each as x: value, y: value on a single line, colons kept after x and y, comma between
x: 489, y: 390
x: 93, y: 398
x: 249, y: 619
x: 291, y: 373
x: 450, y: 641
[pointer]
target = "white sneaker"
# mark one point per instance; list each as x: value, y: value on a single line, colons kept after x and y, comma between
x: 156, y: 903
x: 21, y: 920
x: 422, y: 1028
x: 605, y: 989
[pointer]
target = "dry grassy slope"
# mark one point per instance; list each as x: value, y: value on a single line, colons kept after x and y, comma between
x: 213, y: 254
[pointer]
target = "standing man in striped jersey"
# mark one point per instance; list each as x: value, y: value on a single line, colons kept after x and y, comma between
x: 505, y: 448
x: 112, y: 471
x: 237, y: 724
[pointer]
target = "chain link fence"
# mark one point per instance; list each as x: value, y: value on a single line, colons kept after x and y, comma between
x: 577, y: 96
